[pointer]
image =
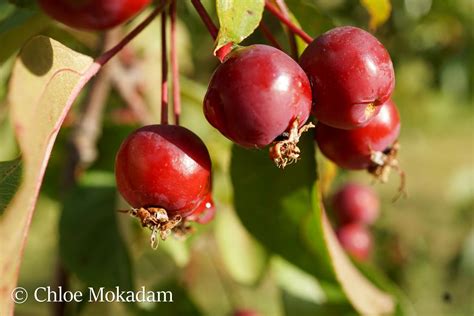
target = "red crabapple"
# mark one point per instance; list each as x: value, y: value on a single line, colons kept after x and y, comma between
x: 92, y: 14
x: 164, y: 173
x: 205, y: 212
x: 351, y: 74
x: 372, y: 147
x: 356, y: 203
x: 356, y: 240
x: 259, y: 95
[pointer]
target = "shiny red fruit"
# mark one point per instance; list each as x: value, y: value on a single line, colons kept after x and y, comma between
x: 356, y: 240
x: 353, y: 149
x: 256, y: 94
x: 205, y: 212
x: 92, y: 14
x: 356, y: 203
x: 351, y: 74
x: 164, y: 166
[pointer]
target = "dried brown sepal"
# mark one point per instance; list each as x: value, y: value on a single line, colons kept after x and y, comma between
x: 183, y: 230
x: 158, y: 221
x: 285, y: 152
x: 382, y: 165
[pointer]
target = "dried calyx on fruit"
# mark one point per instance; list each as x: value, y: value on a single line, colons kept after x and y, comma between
x: 373, y: 147
x: 260, y: 96
x: 164, y: 173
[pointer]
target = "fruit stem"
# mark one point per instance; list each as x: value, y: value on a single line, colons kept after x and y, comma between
x: 164, y: 71
x: 174, y: 65
x: 105, y: 57
x: 268, y: 35
x: 293, y: 28
x: 291, y: 36
x: 206, y: 19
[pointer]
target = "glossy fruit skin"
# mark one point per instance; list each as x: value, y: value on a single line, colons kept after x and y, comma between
x: 254, y: 96
x: 351, y: 149
x: 163, y: 166
x: 92, y: 14
x: 205, y: 212
x: 349, y: 70
x: 356, y: 240
x: 355, y: 202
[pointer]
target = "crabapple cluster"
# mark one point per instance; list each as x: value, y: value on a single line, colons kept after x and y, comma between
x: 356, y: 207
x: 352, y: 80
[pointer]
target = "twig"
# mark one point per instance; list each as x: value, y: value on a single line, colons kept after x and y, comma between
x: 62, y: 279
x: 88, y: 129
x: 126, y: 86
x: 291, y: 36
x: 295, y: 29
x: 268, y: 35
x: 174, y: 65
x: 206, y: 19
x: 164, y: 71
x: 105, y: 57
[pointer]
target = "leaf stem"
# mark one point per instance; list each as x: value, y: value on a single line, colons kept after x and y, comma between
x: 174, y: 64
x: 164, y: 71
x: 206, y: 19
x: 293, y: 28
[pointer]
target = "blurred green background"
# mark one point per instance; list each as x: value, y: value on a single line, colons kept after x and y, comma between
x: 424, y: 243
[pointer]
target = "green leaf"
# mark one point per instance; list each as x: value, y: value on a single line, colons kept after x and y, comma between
x: 17, y: 28
x: 89, y: 239
x: 244, y: 258
x: 50, y: 72
x: 10, y: 176
x: 24, y: 3
x: 238, y: 19
x: 274, y: 204
x: 379, y: 11
x: 282, y: 210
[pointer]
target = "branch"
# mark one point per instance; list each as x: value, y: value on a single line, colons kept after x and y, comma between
x: 295, y: 29
x: 175, y: 65
x: 164, y: 71
x: 126, y: 85
x: 104, y: 58
x: 206, y: 19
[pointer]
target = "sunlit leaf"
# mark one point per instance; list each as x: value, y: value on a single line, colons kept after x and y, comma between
x: 237, y: 19
x: 43, y: 78
x: 379, y: 11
